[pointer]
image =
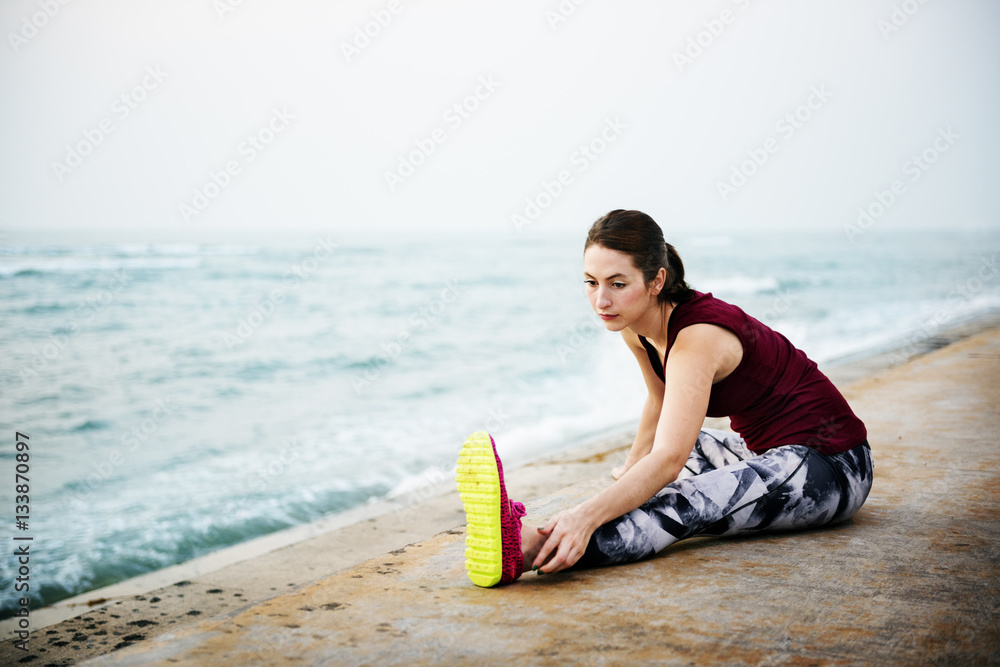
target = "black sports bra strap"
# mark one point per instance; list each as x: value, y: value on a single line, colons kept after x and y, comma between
x: 654, y: 357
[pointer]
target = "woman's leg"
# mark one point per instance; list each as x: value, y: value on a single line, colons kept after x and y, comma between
x: 714, y: 449
x: 785, y: 488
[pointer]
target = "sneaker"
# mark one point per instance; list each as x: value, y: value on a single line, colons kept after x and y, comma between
x: 493, y: 522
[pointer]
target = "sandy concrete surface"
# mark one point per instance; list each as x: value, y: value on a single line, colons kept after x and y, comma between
x: 911, y: 579
x: 139, y: 609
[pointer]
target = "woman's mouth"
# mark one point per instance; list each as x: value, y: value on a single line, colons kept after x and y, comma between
x: 606, y: 317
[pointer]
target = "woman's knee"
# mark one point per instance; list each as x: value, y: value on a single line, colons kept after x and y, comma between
x: 859, y: 476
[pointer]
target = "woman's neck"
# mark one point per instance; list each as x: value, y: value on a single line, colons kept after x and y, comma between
x: 653, y: 324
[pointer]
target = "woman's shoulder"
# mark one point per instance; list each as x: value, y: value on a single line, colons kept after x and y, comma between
x: 705, y: 302
x: 705, y: 308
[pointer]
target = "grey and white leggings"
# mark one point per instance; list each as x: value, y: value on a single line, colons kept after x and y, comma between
x: 725, y: 489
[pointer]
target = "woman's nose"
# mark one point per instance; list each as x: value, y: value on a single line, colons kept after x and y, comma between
x: 602, y: 299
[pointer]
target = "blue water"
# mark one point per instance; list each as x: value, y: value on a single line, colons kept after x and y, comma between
x: 184, y: 397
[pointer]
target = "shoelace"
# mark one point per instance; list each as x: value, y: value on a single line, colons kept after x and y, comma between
x: 517, y: 509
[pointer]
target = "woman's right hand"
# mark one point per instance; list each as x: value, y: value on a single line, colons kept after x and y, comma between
x: 566, y: 537
x: 630, y: 461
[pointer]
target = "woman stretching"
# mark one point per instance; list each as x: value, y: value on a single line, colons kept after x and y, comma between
x: 799, y: 457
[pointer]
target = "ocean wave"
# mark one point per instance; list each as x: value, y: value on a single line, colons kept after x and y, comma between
x: 390, y: 355
x: 91, y: 425
x: 740, y: 285
x: 228, y: 250
x: 129, y: 250
x: 261, y: 369
x: 873, y: 333
x: 37, y: 250
x: 73, y: 265
x: 430, y: 482
x: 45, y: 308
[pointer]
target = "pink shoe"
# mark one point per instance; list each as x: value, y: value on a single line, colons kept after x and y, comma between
x: 493, y: 523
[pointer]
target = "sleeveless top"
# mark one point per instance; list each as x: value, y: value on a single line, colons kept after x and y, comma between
x: 776, y: 395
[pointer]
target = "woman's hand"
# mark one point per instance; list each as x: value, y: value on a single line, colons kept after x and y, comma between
x: 630, y: 461
x: 634, y: 456
x: 567, y: 535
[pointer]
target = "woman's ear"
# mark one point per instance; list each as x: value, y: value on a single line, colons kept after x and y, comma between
x: 659, y: 280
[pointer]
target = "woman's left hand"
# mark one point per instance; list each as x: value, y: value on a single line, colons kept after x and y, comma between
x: 568, y: 534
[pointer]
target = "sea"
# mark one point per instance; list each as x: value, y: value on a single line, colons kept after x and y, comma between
x: 175, y: 398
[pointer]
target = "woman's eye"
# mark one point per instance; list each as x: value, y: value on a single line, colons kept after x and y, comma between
x: 618, y: 285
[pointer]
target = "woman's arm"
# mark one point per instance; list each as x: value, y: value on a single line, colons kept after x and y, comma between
x: 695, y: 359
x: 644, y: 436
x: 643, y: 443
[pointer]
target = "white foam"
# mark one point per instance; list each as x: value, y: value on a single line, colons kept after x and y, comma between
x: 874, y: 331
x: 739, y: 285
x: 81, y: 265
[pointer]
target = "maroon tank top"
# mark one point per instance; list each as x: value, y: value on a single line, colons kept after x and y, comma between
x: 777, y: 395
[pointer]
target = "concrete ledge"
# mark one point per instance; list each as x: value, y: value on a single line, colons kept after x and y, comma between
x: 913, y: 578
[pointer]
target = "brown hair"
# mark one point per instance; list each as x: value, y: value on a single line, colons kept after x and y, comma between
x: 638, y: 236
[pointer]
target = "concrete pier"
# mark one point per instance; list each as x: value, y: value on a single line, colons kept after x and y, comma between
x: 913, y: 578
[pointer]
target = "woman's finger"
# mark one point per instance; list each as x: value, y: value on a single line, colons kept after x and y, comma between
x: 548, y: 527
x: 551, y: 543
x: 543, y: 555
x: 561, y: 554
x: 564, y: 557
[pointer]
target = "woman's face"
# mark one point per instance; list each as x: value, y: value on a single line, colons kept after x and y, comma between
x: 615, y: 287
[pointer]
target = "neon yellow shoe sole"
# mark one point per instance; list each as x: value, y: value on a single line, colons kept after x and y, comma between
x: 493, y: 523
x: 478, y: 480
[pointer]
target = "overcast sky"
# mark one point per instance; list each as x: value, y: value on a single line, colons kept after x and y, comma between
x: 228, y: 115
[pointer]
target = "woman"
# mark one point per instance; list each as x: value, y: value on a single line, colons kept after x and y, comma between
x: 799, y: 457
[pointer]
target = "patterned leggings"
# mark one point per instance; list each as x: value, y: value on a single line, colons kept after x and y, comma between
x: 725, y: 489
